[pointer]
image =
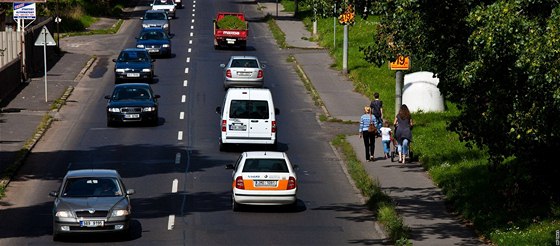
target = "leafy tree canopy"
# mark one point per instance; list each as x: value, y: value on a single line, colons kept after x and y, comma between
x: 497, y: 60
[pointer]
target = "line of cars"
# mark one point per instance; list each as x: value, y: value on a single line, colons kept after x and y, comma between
x: 134, y: 100
x: 96, y: 200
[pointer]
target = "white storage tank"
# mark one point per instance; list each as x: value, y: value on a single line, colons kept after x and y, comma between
x: 420, y: 92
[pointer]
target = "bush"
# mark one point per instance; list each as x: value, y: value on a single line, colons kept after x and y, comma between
x: 231, y: 22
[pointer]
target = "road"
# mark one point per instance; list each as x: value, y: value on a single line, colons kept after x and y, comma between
x: 183, y: 190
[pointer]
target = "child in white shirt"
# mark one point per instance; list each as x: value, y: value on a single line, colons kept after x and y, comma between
x: 386, y: 138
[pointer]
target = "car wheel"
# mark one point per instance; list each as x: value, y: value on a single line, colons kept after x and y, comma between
x: 223, y: 146
x: 155, y: 121
x: 55, y: 236
x: 234, y: 205
x: 110, y: 123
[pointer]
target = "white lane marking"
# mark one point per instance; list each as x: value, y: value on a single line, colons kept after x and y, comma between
x: 171, y: 222
x: 183, y: 98
x: 180, y: 135
x: 193, y: 15
x: 190, y: 41
x: 189, y: 50
x: 192, y: 34
x: 187, y: 70
x: 193, y: 9
x: 177, y: 158
x: 188, y: 59
x: 194, y: 5
x: 192, y: 21
x: 193, y: 1
x: 182, y: 115
x: 192, y: 27
x: 185, y: 83
x: 174, y: 186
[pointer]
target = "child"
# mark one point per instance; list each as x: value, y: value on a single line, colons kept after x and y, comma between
x: 386, y: 138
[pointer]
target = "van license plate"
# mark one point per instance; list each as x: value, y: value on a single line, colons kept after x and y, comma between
x: 92, y: 223
x: 265, y: 183
x: 237, y: 127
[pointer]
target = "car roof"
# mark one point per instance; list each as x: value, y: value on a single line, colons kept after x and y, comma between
x: 92, y: 173
x: 244, y: 57
x: 265, y: 154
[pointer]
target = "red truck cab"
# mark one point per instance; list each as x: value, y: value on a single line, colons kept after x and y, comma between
x: 230, y: 37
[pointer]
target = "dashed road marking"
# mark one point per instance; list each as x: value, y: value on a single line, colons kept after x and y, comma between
x: 177, y: 158
x: 182, y: 115
x: 183, y: 98
x: 180, y: 135
x: 174, y: 186
x: 171, y: 222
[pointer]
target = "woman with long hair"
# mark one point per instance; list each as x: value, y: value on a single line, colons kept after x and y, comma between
x: 403, y: 134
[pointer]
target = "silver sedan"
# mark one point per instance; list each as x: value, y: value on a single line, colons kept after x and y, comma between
x: 243, y: 71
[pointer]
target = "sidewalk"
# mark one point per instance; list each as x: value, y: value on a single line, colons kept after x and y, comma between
x: 418, y: 200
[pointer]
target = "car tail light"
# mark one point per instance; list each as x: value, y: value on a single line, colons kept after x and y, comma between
x: 224, y: 125
x: 291, y: 183
x: 260, y: 74
x: 228, y: 73
x: 273, y: 126
x: 239, y: 183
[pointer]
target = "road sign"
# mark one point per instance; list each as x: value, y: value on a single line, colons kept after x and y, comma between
x: 401, y: 63
x: 45, y: 37
x: 25, y: 11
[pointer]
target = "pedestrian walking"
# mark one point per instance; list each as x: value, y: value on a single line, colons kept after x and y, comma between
x: 377, y: 110
x: 386, y: 133
x: 367, y: 133
x: 403, y: 124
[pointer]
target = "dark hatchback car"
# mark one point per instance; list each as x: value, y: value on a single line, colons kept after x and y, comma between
x: 155, y: 40
x: 90, y: 201
x: 134, y: 64
x: 132, y: 102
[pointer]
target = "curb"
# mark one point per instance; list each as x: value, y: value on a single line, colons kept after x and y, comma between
x: 312, y: 89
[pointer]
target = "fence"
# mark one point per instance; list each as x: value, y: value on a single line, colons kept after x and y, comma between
x: 10, y: 46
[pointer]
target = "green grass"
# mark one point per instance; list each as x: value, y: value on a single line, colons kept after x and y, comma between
x: 499, y: 203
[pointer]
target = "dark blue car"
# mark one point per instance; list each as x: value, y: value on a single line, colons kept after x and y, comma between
x: 132, y: 102
x: 134, y: 64
x: 155, y: 40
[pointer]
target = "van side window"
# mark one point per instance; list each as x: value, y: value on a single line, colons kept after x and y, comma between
x: 248, y: 109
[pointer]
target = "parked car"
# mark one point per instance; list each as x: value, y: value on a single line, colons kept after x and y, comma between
x: 90, y: 201
x: 263, y: 178
x: 167, y: 5
x: 155, y: 41
x: 155, y: 19
x: 134, y: 64
x: 132, y: 102
x: 243, y: 71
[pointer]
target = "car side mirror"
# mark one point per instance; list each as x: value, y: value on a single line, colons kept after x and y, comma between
x: 151, y: 4
x: 130, y: 191
x: 219, y: 110
x: 229, y: 166
x: 107, y: 97
x: 276, y: 111
x: 263, y: 66
x: 157, y: 96
x: 141, y: 18
x: 222, y: 65
x: 169, y: 17
x: 153, y: 60
x: 53, y: 193
x: 114, y: 60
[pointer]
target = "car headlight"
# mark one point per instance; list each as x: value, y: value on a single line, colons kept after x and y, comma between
x: 165, y: 45
x: 114, y: 110
x: 120, y: 212
x: 119, y: 70
x: 146, y: 70
x: 145, y: 25
x: 141, y: 46
x: 63, y: 214
x: 149, y: 109
x: 165, y: 25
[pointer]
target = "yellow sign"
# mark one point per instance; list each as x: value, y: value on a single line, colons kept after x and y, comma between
x: 401, y: 63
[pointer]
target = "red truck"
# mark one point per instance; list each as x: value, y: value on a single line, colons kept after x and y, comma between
x: 230, y: 37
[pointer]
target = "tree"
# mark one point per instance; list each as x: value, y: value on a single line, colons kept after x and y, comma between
x: 498, y: 61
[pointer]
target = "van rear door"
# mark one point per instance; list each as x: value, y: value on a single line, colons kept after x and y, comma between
x: 259, y: 123
x: 238, y: 120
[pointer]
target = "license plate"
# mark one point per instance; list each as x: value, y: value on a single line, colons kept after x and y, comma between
x: 230, y: 41
x: 131, y: 116
x: 92, y: 223
x: 133, y: 75
x: 244, y: 73
x: 265, y: 183
x: 237, y: 127
x: 153, y: 51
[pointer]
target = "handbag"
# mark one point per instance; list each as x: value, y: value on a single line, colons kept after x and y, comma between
x: 371, y: 127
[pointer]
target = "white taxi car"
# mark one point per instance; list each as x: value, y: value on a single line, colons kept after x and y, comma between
x: 263, y: 178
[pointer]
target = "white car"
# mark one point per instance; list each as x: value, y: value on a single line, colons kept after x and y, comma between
x: 167, y: 5
x: 263, y: 178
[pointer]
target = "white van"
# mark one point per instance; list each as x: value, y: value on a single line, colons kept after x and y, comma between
x: 248, y: 116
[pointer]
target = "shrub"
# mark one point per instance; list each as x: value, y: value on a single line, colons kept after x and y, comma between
x: 231, y: 22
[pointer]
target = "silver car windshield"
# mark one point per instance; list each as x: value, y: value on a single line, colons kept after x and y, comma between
x: 248, y: 63
x: 91, y: 187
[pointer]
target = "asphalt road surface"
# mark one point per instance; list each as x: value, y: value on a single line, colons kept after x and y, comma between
x: 183, y: 191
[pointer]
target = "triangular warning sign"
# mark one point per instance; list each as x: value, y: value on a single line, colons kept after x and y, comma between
x: 45, y: 37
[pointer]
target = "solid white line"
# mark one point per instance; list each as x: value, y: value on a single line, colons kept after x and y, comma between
x: 177, y: 158
x: 183, y: 98
x: 171, y: 222
x: 188, y: 59
x: 187, y: 70
x: 174, y: 186
x: 185, y: 83
x: 180, y: 135
x: 189, y: 50
x: 182, y: 115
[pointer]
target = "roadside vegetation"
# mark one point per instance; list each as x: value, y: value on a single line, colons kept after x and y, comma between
x: 507, y: 199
